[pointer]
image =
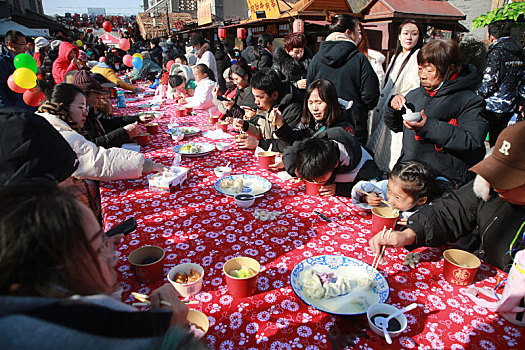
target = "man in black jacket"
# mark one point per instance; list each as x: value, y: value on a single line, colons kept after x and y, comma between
x: 502, y: 78
x: 494, y: 203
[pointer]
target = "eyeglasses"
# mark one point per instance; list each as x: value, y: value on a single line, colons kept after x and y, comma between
x: 107, y: 248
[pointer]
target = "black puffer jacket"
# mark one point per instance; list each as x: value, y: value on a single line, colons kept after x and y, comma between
x: 458, y: 214
x: 355, y: 152
x: 30, y: 148
x: 353, y: 76
x: 107, y: 131
x: 504, y: 74
x: 264, y: 59
x: 223, y: 63
x: 288, y: 135
x: 249, y: 52
x: 452, y: 139
x: 288, y: 67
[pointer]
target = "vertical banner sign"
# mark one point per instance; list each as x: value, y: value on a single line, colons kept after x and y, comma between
x: 270, y: 8
x: 204, y: 12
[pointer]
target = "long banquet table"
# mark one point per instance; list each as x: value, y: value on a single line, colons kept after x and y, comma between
x: 198, y: 224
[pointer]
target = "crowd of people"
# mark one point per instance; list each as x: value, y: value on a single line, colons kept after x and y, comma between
x: 337, y: 116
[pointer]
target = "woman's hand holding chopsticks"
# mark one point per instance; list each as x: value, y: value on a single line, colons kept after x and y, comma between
x: 168, y: 294
x: 397, y: 239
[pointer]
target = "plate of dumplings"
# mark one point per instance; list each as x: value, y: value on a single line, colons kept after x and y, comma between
x: 338, y: 285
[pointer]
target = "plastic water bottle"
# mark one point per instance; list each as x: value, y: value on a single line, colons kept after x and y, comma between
x: 120, y: 100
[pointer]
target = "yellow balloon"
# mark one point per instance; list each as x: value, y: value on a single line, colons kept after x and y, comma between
x: 25, y: 78
x: 79, y: 43
x: 138, y: 55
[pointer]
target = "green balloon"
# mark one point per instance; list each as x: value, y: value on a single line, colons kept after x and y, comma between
x: 23, y: 60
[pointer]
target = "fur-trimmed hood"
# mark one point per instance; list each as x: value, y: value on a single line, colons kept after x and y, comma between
x: 288, y: 67
x: 205, y: 47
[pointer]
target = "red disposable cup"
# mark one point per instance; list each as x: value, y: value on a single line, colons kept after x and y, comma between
x: 179, y: 113
x: 460, y: 267
x: 222, y: 125
x: 142, y: 139
x: 214, y: 119
x: 383, y: 217
x: 241, y: 287
x: 312, y: 188
x: 152, y: 128
x: 147, y: 264
x: 266, y: 159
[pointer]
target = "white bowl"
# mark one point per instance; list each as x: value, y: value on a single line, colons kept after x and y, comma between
x: 412, y: 117
x: 244, y: 200
x: 177, y: 137
x: 222, y: 171
x: 388, y: 310
x: 222, y: 146
x: 186, y: 289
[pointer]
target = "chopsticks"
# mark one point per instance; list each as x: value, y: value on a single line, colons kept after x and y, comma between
x: 369, y: 194
x: 145, y: 302
x: 378, y: 257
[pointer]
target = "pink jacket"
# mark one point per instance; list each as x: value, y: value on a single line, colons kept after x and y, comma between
x: 62, y: 64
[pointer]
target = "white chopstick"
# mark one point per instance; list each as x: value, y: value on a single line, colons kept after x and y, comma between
x: 377, y: 257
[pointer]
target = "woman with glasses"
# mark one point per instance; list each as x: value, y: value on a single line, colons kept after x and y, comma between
x: 339, y: 61
x: 58, y: 287
x: 66, y: 111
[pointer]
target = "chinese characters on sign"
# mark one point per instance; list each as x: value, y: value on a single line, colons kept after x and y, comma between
x: 270, y: 7
x: 204, y: 12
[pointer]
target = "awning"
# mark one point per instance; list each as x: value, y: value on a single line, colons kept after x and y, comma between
x: 7, y: 25
x: 319, y: 23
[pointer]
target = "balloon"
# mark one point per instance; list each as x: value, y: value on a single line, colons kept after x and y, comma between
x: 124, y: 44
x: 169, y: 64
x: 33, y: 97
x: 137, y: 63
x: 108, y: 27
x: 25, y: 78
x: 127, y: 60
x: 139, y: 56
x: 12, y: 85
x: 79, y: 43
x: 23, y: 60
x: 102, y: 59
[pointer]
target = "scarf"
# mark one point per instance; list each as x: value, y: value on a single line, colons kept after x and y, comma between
x: 61, y: 113
x: 338, y: 36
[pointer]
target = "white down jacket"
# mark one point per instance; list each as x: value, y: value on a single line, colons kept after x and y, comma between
x: 99, y: 163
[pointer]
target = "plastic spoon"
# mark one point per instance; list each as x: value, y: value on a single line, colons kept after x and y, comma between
x: 383, y: 322
x: 227, y: 164
x: 408, y: 109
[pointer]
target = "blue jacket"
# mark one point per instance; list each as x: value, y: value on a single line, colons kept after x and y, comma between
x: 8, y: 98
x: 504, y: 74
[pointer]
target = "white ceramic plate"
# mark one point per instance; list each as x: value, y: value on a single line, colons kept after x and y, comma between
x: 253, y: 184
x: 205, y: 148
x: 189, y: 130
x: 349, y: 268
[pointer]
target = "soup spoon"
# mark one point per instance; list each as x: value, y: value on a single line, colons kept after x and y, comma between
x: 383, y: 322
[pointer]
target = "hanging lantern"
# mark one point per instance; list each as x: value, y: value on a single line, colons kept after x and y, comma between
x: 241, y: 33
x: 298, y: 26
x: 222, y: 33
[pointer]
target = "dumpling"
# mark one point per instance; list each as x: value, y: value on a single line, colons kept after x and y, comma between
x: 334, y: 289
x: 226, y: 184
x: 311, y: 285
x: 238, y: 185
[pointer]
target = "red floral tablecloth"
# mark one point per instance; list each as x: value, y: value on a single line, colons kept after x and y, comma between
x: 198, y: 224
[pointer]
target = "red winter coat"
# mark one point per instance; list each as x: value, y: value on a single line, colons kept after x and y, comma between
x: 62, y: 64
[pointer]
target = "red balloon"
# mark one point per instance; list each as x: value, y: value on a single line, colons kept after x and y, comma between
x: 12, y: 85
x: 102, y: 59
x: 124, y: 44
x: 108, y: 27
x: 33, y: 97
x: 169, y: 64
x: 128, y: 60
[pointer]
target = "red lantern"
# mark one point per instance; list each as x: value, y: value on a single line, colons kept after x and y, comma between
x: 222, y: 33
x: 108, y: 27
x: 241, y: 33
x: 298, y: 26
